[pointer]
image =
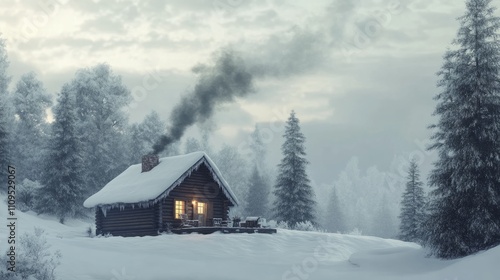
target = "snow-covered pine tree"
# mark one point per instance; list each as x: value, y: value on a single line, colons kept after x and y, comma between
x: 5, y: 120
x: 236, y: 172
x: 206, y: 130
x: 135, y: 146
x: 334, y: 218
x: 30, y: 101
x: 100, y: 100
x: 142, y: 137
x: 258, y: 148
x: 412, y: 207
x: 63, y: 184
x: 346, y: 187
x: 465, y: 207
x: 258, y: 194
x: 383, y: 224
x: 295, y: 201
x: 150, y: 130
x: 425, y: 228
x: 192, y: 145
x: 259, y: 188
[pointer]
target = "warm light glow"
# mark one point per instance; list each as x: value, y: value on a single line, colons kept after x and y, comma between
x: 194, y: 202
x: 179, y: 209
x: 201, y: 208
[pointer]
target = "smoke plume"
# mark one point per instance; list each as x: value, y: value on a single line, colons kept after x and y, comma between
x: 218, y: 83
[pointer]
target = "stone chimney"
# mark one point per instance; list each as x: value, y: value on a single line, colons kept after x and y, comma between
x: 149, y: 162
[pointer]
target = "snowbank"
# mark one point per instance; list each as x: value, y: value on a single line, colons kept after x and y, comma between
x: 285, y: 255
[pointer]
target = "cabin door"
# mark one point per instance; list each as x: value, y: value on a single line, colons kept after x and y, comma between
x: 201, y: 213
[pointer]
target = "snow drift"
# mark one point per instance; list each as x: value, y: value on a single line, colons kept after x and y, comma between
x: 286, y: 255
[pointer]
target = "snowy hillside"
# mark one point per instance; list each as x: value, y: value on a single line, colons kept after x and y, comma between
x: 286, y: 255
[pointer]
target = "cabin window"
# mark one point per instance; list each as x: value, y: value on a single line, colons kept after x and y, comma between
x: 201, y: 208
x: 179, y: 208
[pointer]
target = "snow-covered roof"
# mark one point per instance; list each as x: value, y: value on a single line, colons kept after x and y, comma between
x: 134, y: 186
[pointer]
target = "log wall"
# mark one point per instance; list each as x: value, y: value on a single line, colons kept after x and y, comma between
x: 201, y: 187
x: 129, y: 221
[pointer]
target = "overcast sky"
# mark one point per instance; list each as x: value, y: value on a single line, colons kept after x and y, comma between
x: 359, y: 74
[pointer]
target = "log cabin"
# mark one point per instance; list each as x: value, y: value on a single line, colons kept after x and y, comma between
x: 149, y: 198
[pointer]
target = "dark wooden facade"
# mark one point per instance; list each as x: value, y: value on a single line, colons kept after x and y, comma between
x: 133, y: 220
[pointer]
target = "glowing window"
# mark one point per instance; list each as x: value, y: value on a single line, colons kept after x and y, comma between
x: 179, y: 209
x: 201, y: 208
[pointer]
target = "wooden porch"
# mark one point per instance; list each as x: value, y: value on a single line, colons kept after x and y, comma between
x: 209, y: 230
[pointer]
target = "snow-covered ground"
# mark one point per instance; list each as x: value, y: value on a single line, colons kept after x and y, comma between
x: 285, y: 255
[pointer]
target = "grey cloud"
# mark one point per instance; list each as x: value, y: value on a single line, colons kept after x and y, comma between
x: 103, y: 24
x: 296, y: 51
x: 259, y: 19
x: 339, y: 13
x: 302, y: 48
x: 76, y: 46
x: 107, y: 16
x: 101, y: 7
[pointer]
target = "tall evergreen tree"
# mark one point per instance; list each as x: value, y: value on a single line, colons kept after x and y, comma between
x: 383, y: 223
x: 135, y: 146
x: 192, y: 145
x: 102, y: 122
x: 258, y: 148
x: 258, y: 194
x: 205, y: 139
x: 62, y: 194
x: 30, y: 101
x: 5, y: 120
x: 295, y: 201
x: 412, y: 207
x: 143, y: 136
x: 465, y: 207
x: 334, y: 218
x: 259, y: 188
x: 236, y: 172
